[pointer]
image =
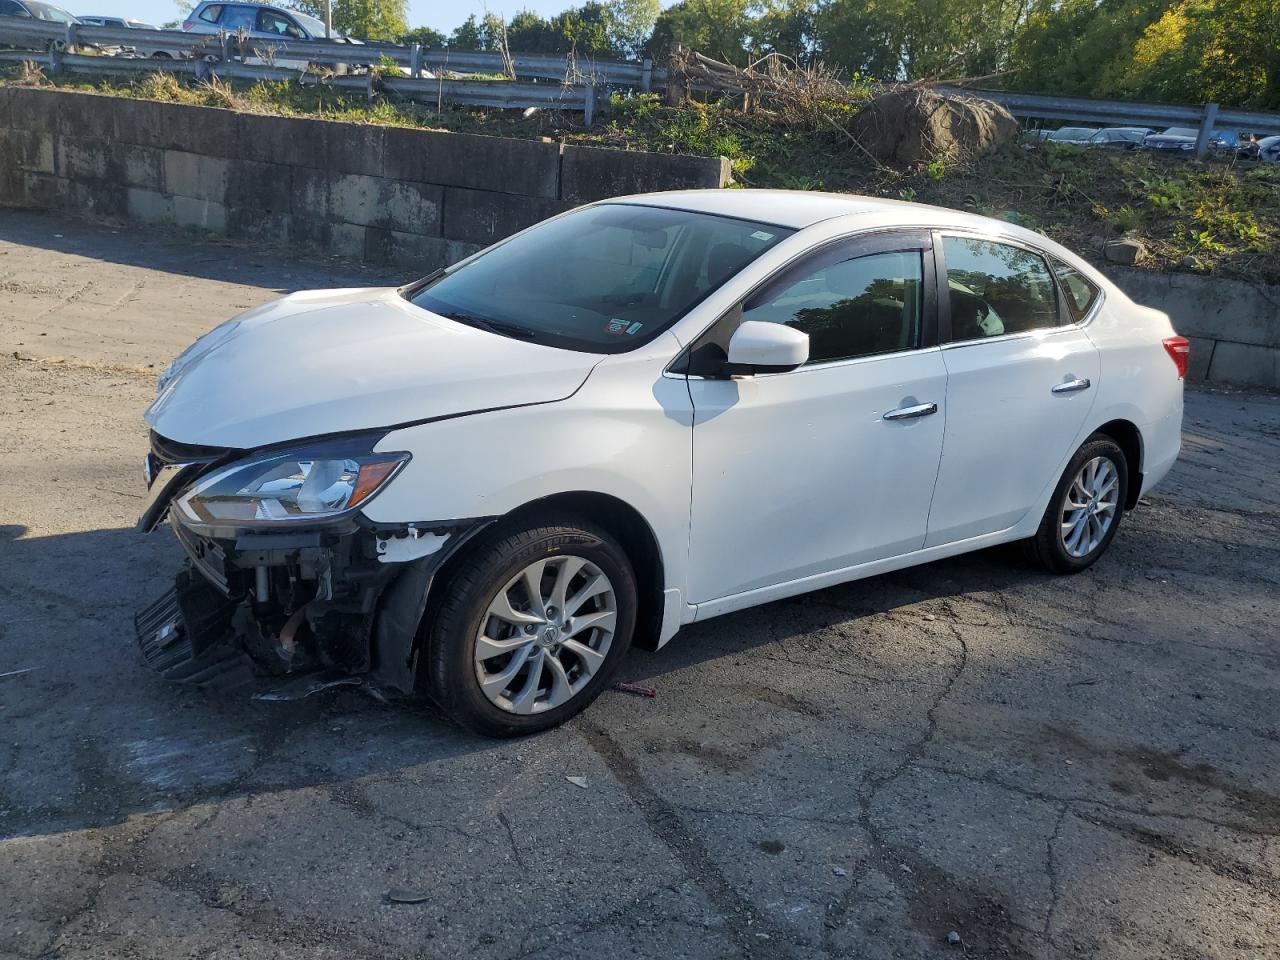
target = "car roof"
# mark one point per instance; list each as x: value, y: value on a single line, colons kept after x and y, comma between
x: 798, y: 209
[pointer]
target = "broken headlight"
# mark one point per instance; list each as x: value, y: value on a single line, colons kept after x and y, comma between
x: 318, y: 482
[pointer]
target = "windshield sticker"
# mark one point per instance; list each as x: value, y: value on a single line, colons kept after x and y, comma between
x: 634, y: 329
x: 761, y: 235
x: 616, y: 327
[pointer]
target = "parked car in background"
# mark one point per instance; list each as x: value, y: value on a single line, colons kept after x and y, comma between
x: 125, y: 23
x: 121, y: 22
x: 488, y: 483
x: 1183, y: 140
x: 1269, y: 149
x: 260, y: 20
x: 1120, y: 138
x: 36, y: 10
x: 1072, y: 135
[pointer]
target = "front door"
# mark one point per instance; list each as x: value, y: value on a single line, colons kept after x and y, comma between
x: 1021, y: 378
x: 833, y: 464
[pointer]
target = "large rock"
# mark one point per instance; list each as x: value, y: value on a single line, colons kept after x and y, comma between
x: 917, y: 126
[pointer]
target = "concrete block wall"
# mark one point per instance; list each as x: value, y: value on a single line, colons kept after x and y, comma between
x: 382, y: 194
x: 1233, y: 326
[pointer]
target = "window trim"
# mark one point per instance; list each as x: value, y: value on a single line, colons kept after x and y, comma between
x: 864, y: 243
x: 945, y: 339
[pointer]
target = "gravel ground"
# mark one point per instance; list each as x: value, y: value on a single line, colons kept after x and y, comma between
x: 1085, y: 766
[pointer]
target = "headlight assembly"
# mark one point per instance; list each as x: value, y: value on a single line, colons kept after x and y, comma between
x: 319, y: 482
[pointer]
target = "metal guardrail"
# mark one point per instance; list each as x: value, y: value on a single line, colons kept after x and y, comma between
x: 1124, y: 112
x: 506, y: 94
x: 43, y: 35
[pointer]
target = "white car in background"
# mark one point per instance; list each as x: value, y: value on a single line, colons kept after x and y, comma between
x: 490, y: 483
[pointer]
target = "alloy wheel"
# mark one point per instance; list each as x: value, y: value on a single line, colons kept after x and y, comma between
x: 545, y: 634
x: 1090, y: 507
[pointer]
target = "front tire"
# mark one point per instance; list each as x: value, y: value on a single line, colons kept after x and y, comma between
x: 534, y: 621
x: 1085, y: 510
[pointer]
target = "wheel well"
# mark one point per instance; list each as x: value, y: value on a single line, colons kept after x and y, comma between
x: 617, y: 517
x: 1130, y: 440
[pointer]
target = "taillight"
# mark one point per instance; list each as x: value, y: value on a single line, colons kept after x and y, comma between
x: 187, y: 24
x: 1179, y: 350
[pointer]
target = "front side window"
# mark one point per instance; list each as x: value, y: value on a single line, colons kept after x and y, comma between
x: 10, y: 8
x: 996, y: 289
x: 271, y: 22
x: 855, y: 307
x: 211, y: 13
x: 1081, y: 292
x: 603, y: 280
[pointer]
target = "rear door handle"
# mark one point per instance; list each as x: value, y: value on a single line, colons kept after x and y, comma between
x: 910, y: 413
x: 1072, y: 386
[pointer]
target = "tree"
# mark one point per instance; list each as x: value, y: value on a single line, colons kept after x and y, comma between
x: 630, y: 22
x: 425, y: 37
x: 363, y: 19
x: 716, y: 28
x: 585, y: 29
x: 785, y: 27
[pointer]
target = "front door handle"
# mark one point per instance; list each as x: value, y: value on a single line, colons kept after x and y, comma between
x: 1072, y: 386
x: 910, y: 413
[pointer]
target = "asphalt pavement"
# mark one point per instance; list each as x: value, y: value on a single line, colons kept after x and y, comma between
x: 967, y: 759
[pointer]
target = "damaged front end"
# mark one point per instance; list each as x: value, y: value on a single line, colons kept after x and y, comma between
x: 287, y: 586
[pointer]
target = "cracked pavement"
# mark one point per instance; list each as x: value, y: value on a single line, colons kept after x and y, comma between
x: 1049, y: 767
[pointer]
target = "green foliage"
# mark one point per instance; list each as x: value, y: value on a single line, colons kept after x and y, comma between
x: 630, y: 22
x: 363, y: 19
x: 425, y: 37
x: 936, y: 168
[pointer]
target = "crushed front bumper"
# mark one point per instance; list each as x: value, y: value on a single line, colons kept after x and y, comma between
x: 265, y: 609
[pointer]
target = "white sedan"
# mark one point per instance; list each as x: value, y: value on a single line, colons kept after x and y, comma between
x: 487, y: 485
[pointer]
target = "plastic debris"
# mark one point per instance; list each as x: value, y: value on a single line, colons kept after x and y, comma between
x: 635, y: 688
x: 579, y: 782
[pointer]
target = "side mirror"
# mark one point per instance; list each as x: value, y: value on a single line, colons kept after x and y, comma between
x: 759, y: 347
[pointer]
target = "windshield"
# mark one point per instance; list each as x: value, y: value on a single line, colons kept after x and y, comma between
x: 602, y: 280
x: 45, y: 11
x: 1180, y: 132
x: 310, y: 24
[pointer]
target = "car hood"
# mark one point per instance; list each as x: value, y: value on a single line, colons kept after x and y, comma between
x: 331, y: 361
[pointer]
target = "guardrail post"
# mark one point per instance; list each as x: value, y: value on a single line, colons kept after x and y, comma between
x: 368, y: 85
x: 227, y: 55
x: 1207, y: 119
x: 72, y: 36
x: 646, y: 75
x: 588, y: 105
x: 415, y: 60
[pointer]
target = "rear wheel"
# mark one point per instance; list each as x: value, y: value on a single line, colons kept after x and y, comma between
x: 533, y: 623
x: 1084, y: 513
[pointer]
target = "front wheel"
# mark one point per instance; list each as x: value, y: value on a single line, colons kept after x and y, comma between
x: 1084, y: 513
x: 534, y: 621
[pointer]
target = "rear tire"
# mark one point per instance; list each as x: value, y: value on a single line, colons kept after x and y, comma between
x: 504, y: 664
x: 1085, y: 510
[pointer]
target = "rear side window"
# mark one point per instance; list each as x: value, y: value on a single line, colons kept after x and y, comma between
x: 1081, y: 292
x: 996, y: 289
x: 236, y: 18
x: 211, y: 13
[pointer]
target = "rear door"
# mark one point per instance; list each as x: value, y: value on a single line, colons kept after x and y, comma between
x: 1021, y: 378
